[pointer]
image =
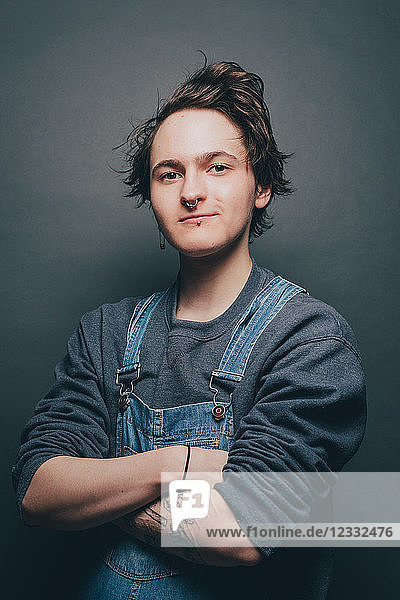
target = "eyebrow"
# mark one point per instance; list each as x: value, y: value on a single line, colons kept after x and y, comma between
x: 199, y: 159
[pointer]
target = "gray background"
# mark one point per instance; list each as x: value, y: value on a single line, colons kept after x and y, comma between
x: 74, y: 73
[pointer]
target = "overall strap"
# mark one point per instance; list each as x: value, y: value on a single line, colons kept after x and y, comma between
x: 130, y: 370
x: 257, y: 316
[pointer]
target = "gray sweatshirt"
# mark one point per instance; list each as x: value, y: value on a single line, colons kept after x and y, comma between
x: 299, y: 407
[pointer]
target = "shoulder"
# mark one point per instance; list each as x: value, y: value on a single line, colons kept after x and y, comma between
x: 115, y: 313
x: 317, y: 318
x: 101, y: 332
x: 111, y: 319
x: 305, y: 319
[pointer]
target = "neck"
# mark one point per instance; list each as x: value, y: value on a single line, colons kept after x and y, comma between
x: 210, y: 284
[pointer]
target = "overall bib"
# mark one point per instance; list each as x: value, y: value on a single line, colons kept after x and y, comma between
x: 131, y: 569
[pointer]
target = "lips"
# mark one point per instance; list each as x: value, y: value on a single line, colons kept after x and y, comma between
x: 199, y: 216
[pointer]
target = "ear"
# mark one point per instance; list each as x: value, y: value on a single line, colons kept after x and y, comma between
x: 263, y: 196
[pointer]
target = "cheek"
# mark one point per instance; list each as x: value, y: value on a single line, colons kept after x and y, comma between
x: 157, y: 211
x: 159, y: 203
x: 242, y: 202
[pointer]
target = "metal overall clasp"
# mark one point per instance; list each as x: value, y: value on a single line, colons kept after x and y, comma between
x: 218, y: 411
x: 126, y: 389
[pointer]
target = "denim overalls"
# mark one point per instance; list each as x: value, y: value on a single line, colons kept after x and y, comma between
x: 133, y: 569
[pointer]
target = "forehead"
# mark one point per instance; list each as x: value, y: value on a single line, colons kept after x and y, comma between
x: 191, y: 132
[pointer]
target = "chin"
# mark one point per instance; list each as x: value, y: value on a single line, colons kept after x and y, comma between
x: 202, y: 251
x: 205, y: 247
x: 198, y: 252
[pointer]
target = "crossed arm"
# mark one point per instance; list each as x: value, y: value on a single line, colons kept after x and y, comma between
x: 71, y: 493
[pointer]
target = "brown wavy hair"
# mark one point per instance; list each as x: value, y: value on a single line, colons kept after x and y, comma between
x: 239, y: 95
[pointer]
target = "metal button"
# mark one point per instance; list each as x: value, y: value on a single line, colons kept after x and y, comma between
x: 218, y: 412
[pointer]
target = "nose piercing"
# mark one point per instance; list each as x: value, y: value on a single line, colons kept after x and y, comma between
x: 191, y: 204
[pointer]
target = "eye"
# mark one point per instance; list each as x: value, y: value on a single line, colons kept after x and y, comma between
x: 219, y: 168
x: 170, y: 176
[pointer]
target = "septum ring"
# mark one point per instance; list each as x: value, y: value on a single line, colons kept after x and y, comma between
x: 191, y: 204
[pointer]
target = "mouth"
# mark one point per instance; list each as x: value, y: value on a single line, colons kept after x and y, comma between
x: 195, y: 218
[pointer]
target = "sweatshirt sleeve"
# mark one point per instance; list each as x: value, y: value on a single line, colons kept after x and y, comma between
x: 72, y: 419
x: 308, y: 416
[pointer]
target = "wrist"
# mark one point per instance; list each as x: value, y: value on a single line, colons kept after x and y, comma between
x: 172, y: 462
x: 204, y: 460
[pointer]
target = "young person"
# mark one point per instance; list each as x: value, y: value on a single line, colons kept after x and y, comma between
x: 232, y: 369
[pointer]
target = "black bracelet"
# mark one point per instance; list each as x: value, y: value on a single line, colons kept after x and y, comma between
x: 187, y: 463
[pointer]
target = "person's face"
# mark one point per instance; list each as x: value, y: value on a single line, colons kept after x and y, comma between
x: 197, y: 154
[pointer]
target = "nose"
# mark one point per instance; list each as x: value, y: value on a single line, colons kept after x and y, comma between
x: 192, y: 191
